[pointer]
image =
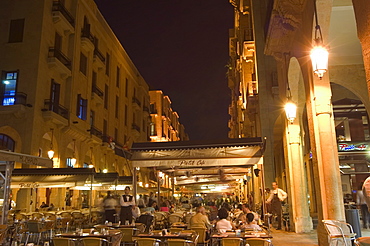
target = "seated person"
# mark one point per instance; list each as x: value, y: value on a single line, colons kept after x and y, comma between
x: 200, y: 219
x: 223, y: 224
x: 251, y: 223
x: 152, y: 207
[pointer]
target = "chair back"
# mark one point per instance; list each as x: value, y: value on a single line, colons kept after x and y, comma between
x: 37, y: 215
x: 127, y: 234
x: 159, y: 217
x: 34, y: 226
x: 141, y: 227
x: 64, y: 241
x: 231, y: 241
x: 94, y: 241
x: 147, y: 242
x: 201, y: 232
x: 178, y: 242
x: 258, y: 242
x: 173, y: 218
x: 3, y: 233
x: 338, y: 229
x: 65, y: 214
x: 176, y: 229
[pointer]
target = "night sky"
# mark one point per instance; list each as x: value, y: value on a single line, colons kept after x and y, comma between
x: 181, y: 48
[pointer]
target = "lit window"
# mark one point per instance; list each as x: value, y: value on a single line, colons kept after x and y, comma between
x: 8, y: 88
x: 81, y: 107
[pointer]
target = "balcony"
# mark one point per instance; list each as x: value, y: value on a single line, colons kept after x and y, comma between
x: 60, y: 62
x: 96, y: 132
x: 13, y: 104
x: 87, y: 39
x: 136, y: 103
x: 135, y: 130
x: 62, y: 17
x: 146, y: 110
x: 55, y: 112
x: 97, y: 95
x: 99, y: 58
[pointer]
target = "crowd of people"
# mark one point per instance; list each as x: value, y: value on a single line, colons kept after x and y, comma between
x: 222, y: 213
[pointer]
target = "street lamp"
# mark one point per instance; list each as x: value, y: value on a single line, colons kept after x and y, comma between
x: 319, y: 54
x: 290, y: 107
x: 51, y: 151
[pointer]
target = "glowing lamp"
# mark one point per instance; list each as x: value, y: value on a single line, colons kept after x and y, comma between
x: 291, y: 111
x: 319, y: 57
x: 91, y: 166
x: 73, y: 161
x: 51, y: 154
x: 105, y: 170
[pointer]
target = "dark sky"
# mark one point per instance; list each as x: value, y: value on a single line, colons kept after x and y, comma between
x: 181, y: 48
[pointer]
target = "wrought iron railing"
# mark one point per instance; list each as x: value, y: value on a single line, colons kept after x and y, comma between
x: 97, y: 91
x: 98, y: 54
x: 137, y: 101
x: 60, y: 56
x: 17, y: 98
x: 135, y: 127
x: 58, y: 6
x: 96, y: 132
x: 56, y: 108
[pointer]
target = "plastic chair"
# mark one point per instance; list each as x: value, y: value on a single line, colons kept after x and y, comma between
x: 127, y: 236
x: 64, y: 241
x: 339, y: 232
x: 178, y: 242
x: 147, y: 242
x: 34, y: 227
x: 202, y: 232
x: 258, y: 242
x: 94, y: 241
x: 231, y: 241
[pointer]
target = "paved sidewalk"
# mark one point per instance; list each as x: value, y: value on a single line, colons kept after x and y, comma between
x: 284, y: 238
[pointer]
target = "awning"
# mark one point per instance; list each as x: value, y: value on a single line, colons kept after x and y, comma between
x: 185, y: 154
x: 25, y: 159
x: 52, y: 175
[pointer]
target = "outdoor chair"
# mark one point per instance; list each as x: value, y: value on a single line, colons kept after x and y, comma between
x: 128, y: 233
x: 147, y: 242
x: 78, y: 219
x: 339, y: 232
x: 258, y: 242
x: 202, y: 232
x: 94, y: 241
x: 179, y: 242
x: 3, y: 233
x: 34, y: 228
x: 231, y: 241
x: 64, y: 241
x: 160, y: 220
x: 176, y: 229
x: 362, y: 241
x: 173, y: 218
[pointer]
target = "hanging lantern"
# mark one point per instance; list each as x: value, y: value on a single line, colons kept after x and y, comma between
x: 73, y: 161
x: 290, y: 111
x: 51, y: 154
x: 319, y: 57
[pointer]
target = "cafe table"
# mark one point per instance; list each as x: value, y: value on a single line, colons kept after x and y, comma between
x: 160, y: 236
x: 216, y: 238
x: 114, y: 238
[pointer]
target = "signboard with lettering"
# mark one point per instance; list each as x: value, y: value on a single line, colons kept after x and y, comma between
x: 25, y: 159
x: 353, y: 146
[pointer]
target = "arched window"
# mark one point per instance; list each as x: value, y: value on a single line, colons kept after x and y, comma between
x: 6, y: 143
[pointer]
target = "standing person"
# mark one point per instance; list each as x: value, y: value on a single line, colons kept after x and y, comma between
x: 277, y: 195
x: 110, y: 205
x: 361, y: 202
x: 141, y: 202
x: 127, y: 202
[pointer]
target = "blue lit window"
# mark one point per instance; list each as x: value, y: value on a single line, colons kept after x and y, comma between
x: 81, y: 111
x: 8, y: 88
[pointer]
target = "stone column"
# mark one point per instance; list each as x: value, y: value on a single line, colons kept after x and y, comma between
x: 302, y: 221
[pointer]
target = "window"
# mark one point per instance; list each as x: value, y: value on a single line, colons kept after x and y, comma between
x: 117, y: 105
x: 83, y: 64
x: 16, y: 31
x: 107, y: 64
x: 152, y: 129
x: 6, y: 143
x: 106, y: 88
x: 92, y: 118
x: 118, y: 77
x: 69, y: 162
x: 126, y: 89
x: 81, y: 107
x: 115, y: 135
x: 105, y: 127
x: 126, y: 115
x: 9, y: 88
x: 58, y: 42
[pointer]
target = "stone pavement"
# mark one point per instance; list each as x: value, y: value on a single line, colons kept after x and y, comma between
x: 284, y: 238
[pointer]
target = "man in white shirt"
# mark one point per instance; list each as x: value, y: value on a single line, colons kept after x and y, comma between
x: 127, y: 203
x: 277, y: 195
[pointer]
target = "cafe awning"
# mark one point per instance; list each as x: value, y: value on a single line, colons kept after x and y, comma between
x: 185, y: 154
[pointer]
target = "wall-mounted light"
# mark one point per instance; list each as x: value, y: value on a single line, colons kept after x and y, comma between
x: 319, y: 53
x: 51, y: 151
x: 290, y: 107
x: 91, y: 165
x: 73, y: 159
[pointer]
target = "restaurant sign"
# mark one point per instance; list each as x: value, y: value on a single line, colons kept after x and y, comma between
x: 353, y: 146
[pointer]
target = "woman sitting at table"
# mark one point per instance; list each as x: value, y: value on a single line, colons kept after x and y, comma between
x: 251, y: 223
x: 223, y: 224
x: 152, y: 207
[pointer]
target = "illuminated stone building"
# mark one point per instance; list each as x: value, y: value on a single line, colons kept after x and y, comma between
x: 68, y: 85
x: 165, y: 125
x: 269, y: 64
